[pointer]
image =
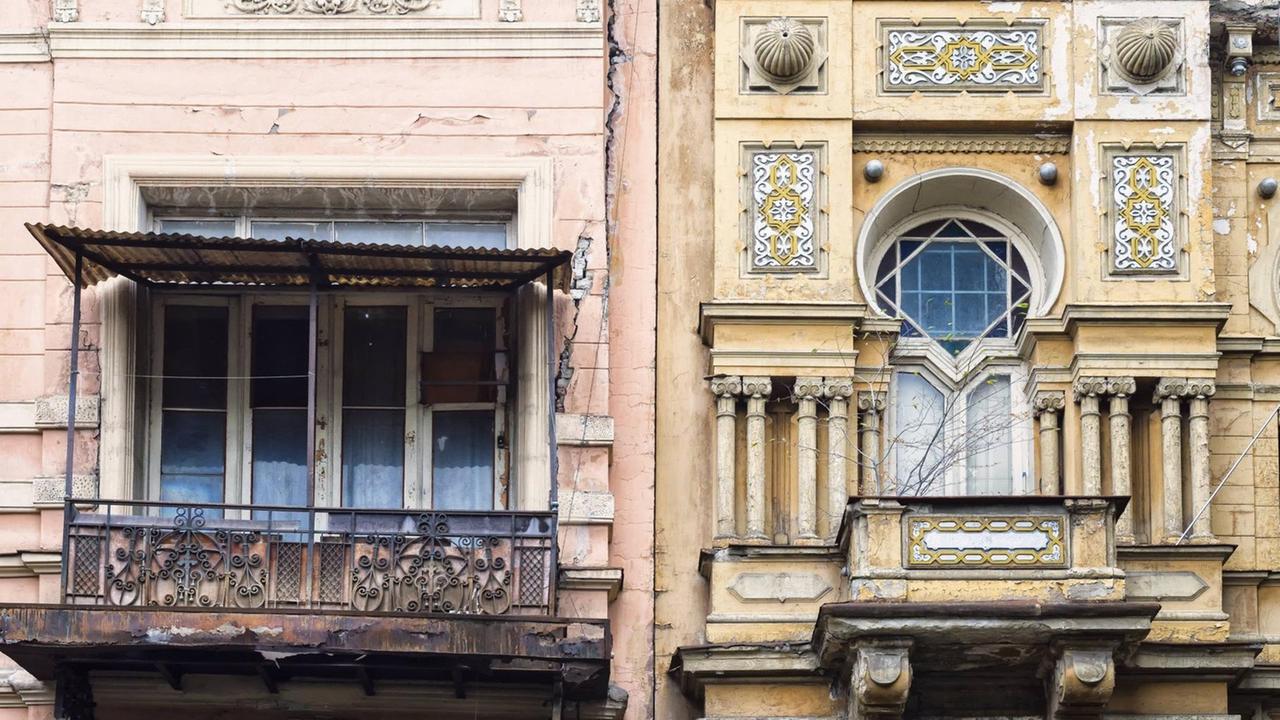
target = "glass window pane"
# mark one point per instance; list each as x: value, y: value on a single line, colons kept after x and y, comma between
x: 373, y: 372
x: 918, y: 439
x: 935, y: 267
x: 462, y: 460
x: 278, y: 230
x: 192, y: 456
x: 207, y: 228
x: 195, y: 356
x: 279, y: 457
x: 971, y: 266
x: 373, y: 458
x: 379, y: 233
x: 279, y: 363
x: 988, y: 420
x: 473, y: 235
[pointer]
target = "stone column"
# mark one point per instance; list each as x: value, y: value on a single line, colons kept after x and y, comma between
x: 1120, y: 424
x: 757, y: 390
x: 1048, y: 405
x: 1199, y: 391
x: 870, y: 406
x: 1087, y: 390
x: 807, y: 391
x: 837, y: 392
x: 726, y: 388
x: 1169, y: 392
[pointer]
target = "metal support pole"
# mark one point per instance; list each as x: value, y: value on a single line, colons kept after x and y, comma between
x: 552, y: 459
x: 312, y: 340
x: 68, y: 509
x: 1227, y: 476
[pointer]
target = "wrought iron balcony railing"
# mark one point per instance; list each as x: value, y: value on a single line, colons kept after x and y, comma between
x: 127, y: 553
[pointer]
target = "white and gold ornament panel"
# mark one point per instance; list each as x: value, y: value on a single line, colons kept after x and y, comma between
x: 954, y: 58
x: 1144, y: 217
x: 783, y: 209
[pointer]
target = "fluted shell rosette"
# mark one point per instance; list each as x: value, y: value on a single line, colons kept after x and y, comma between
x: 1144, y: 49
x: 784, y: 49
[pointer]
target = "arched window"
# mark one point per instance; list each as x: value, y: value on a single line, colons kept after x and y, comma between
x: 962, y: 284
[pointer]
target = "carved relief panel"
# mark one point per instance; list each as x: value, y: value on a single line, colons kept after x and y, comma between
x: 783, y: 55
x: 457, y: 9
x: 1144, y: 221
x: 785, y: 221
x: 1142, y: 56
x: 944, y: 56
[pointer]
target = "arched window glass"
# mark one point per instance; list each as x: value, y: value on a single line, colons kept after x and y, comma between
x: 954, y: 281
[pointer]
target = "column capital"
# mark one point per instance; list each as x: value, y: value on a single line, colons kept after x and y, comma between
x: 1050, y: 401
x: 725, y: 385
x: 837, y: 388
x: 1121, y: 386
x: 871, y: 401
x: 808, y: 388
x: 757, y: 386
x: 881, y: 679
x: 1170, y: 389
x: 1201, y: 388
x: 1088, y: 386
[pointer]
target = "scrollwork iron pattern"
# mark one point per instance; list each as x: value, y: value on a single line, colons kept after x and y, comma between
x: 431, y: 562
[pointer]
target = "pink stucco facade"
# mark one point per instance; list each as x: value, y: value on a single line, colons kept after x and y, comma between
x: 519, y: 83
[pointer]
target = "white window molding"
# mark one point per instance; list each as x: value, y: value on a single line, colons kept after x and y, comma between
x: 125, y: 210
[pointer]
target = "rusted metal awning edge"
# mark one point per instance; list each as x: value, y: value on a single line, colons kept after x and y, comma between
x: 174, y: 259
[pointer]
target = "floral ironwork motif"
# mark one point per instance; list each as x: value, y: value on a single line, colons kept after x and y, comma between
x: 331, y: 7
x: 951, y: 541
x: 421, y: 562
x: 956, y: 58
x: 1143, y: 189
x: 783, y: 192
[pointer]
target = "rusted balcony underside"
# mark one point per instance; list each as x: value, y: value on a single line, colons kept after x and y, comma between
x: 47, y: 639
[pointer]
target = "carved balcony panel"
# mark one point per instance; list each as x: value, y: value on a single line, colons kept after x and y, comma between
x: 367, y: 561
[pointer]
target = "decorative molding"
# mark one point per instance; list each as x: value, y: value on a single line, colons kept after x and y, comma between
x: 949, y: 57
x: 30, y: 563
x: 50, y: 491
x: 584, y: 430
x: 1268, y: 95
x: 782, y: 55
x: 916, y: 143
x: 608, y: 579
x: 588, y: 11
x: 24, y: 47
x: 66, y: 11
x: 153, y: 12
x: 51, y: 411
x: 428, y: 8
x: 318, y: 38
x: 1164, y: 585
x: 1142, y: 56
x: 586, y: 507
x: 510, y: 11
x: 785, y: 210
x: 778, y: 587
x: 1143, y: 219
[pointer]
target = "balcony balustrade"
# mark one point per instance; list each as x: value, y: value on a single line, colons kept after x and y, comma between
x: 241, y: 557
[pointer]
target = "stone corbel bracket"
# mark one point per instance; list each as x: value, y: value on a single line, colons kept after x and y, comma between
x: 881, y: 679
x: 1083, y: 678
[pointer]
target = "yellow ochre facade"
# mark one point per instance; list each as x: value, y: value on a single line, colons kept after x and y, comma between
x: 968, y: 359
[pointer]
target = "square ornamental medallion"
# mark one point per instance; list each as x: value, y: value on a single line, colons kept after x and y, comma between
x: 970, y: 541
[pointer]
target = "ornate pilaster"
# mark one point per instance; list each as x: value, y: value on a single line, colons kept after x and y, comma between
x: 1082, y: 682
x: 881, y: 680
x: 1168, y: 395
x: 1048, y: 405
x: 1120, y: 425
x: 1087, y: 391
x: 66, y: 10
x: 870, y: 407
x: 153, y: 12
x: 757, y: 390
x: 726, y: 388
x: 509, y: 11
x: 807, y: 392
x: 588, y: 11
x: 1199, y: 392
x: 837, y: 392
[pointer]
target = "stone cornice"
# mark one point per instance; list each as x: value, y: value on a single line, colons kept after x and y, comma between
x: 311, y: 38
x: 23, y: 47
x: 713, y: 314
x: 962, y: 143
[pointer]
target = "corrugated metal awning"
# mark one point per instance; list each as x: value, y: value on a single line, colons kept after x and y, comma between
x: 172, y: 259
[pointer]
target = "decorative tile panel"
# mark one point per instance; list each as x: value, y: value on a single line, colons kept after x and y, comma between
x: 1144, y: 217
x: 948, y: 541
x: 955, y: 58
x: 783, y: 223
